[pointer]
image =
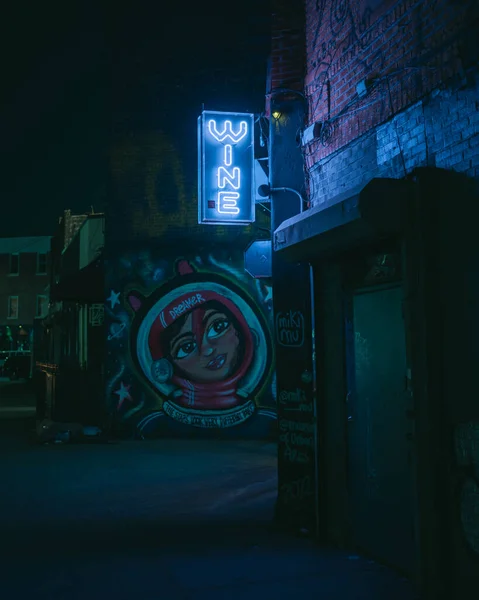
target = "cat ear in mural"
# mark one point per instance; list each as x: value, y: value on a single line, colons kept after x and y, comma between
x: 135, y: 300
x: 183, y: 267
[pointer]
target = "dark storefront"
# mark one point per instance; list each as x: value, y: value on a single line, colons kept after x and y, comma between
x: 70, y: 350
x: 395, y: 285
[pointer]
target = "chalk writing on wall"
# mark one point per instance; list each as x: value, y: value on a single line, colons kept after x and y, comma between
x: 295, y: 401
x: 297, y: 490
x: 290, y: 328
x: 297, y: 440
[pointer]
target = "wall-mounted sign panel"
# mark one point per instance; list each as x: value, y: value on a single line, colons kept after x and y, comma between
x: 226, y: 194
x: 258, y: 259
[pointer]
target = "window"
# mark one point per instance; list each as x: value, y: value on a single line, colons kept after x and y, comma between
x: 12, y: 307
x: 41, y: 263
x: 42, y: 305
x: 14, y: 264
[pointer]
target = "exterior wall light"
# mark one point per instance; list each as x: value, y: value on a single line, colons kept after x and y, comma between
x: 265, y: 191
x: 311, y: 133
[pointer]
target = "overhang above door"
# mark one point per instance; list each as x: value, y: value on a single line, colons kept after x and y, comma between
x: 378, y: 209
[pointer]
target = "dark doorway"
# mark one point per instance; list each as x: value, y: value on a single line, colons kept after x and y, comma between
x: 379, y: 437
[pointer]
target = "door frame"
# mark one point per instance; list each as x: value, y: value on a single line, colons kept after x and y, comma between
x: 395, y: 282
x: 332, y: 287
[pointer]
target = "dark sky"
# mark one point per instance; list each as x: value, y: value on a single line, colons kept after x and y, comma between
x: 72, y: 78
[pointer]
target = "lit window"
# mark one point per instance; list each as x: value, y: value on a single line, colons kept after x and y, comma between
x: 14, y: 264
x: 41, y: 263
x: 13, y: 307
x: 42, y: 305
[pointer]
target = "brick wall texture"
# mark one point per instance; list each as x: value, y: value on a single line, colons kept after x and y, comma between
x: 149, y: 200
x: 419, y: 60
x: 288, y: 47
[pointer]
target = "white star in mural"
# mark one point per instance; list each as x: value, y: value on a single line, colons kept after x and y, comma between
x: 113, y: 298
x: 269, y: 293
x: 123, y: 393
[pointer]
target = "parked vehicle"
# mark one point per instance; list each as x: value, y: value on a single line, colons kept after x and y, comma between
x: 17, y: 366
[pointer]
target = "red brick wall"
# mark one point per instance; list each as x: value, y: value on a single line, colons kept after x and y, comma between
x: 405, y: 48
x: 288, y: 47
x: 421, y: 107
x: 287, y: 60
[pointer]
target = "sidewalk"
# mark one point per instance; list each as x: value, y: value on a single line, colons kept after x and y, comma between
x: 17, y: 399
x: 16, y: 412
x: 197, y: 562
x: 235, y: 564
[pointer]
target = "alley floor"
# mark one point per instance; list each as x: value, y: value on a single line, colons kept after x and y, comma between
x: 160, y: 520
x: 17, y: 398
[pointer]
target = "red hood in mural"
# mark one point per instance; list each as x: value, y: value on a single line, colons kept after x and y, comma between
x: 195, y: 342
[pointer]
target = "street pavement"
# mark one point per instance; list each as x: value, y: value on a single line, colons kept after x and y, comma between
x: 165, y: 520
x: 17, y: 399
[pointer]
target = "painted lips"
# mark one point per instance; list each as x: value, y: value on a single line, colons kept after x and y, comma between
x: 217, y: 362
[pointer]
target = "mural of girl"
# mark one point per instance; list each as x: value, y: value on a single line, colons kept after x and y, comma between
x: 205, y: 349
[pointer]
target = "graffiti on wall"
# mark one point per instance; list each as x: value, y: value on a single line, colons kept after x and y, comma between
x: 383, y: 42
x: 190, y: 346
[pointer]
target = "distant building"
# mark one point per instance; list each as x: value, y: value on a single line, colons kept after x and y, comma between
x: 69, y: 341
x: 24, y: 288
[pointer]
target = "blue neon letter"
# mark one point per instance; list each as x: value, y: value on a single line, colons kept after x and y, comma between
x: 228, y: 155
x: 227, y: 131
x: 228, y: 203
x: 225, y: 176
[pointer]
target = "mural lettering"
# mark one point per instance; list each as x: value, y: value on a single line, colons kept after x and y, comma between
x: 186, y: 305
x: 290, y: 328
x: 206, y: 421
x: 199, y: 345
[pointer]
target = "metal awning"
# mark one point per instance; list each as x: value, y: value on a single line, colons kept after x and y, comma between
x: 378, y: 209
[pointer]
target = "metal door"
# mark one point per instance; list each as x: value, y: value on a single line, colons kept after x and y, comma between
x: 380, y: 471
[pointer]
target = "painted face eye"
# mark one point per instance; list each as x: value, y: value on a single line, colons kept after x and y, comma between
x: 185, y: 349
x: 217, y: 328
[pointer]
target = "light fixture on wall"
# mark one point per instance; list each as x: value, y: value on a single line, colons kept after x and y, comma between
x: 312, y: 133
x: 363, y: 87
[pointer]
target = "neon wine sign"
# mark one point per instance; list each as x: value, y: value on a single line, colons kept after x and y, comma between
x: 226, y: 168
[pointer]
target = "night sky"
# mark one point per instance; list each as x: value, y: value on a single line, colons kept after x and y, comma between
x: 73, y: 79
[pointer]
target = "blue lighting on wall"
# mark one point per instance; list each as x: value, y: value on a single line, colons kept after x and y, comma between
x: 226, y: 168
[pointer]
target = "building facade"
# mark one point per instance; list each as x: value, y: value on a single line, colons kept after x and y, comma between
x: 24, y: 288
x: 166, y: 376
x: 70, y: 345
x: 374, y: 119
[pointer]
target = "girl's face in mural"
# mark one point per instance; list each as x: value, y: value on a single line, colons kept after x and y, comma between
x: 208, y: 352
